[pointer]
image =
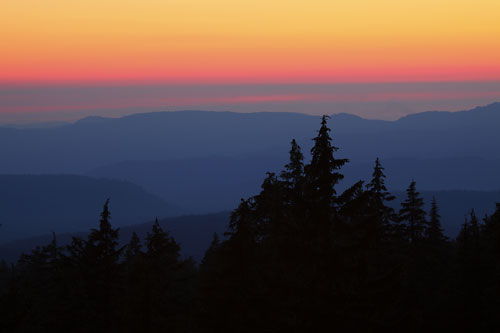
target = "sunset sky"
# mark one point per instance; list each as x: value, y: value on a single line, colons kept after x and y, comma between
x: 219, y: 42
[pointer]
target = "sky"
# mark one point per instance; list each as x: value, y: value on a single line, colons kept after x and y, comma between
x: 315, y: 56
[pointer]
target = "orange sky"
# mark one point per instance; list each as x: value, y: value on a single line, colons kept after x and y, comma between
x: 249, y: 41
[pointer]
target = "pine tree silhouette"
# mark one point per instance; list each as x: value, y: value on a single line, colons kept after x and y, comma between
x: 133, y: 249
x: 378, y: 197
x: 377, y: 184
x: 413, y: 214
x: 210, y: 253
x: 101, y: 271
x: 103, y: 242
x: 160, y: 246
x: 434, y: 233
x: 322, y: 172
x: 294, y: 171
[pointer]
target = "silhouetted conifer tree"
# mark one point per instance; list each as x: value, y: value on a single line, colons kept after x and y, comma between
x: 434, y: 233
x: 322, y: 172
x: 161, y: 246
x: 377, y: 184
x: 100, y: 271
x: 167, y: 292
x: 210, y: 254
x: 491, y: 271
x: 413, y: 215
x: 470, y: 274
x: 102, y: 243
x: 133, y: 250
x: 242, y: 225
x: 294, y: 171
x: 378, y: 196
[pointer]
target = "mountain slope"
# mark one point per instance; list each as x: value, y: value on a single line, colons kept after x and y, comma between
x: 33, y: 205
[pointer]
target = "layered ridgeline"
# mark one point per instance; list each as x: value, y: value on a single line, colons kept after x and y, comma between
x: 94, y: 142
x: 32, y: 205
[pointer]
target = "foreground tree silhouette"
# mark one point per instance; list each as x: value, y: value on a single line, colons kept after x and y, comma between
x: 490, y: 280
x: 378, y: 197
x: 322, y: 173
x: 167, y: 290
x: 130, y: 301
x: 99, y: 269
x: 294, y: 171
x: 413, y: 215
x: 434, y: 233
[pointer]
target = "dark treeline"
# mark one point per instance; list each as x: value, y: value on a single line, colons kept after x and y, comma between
x: 296, y: 257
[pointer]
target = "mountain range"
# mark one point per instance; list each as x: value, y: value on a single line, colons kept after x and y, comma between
x: 94, y: 142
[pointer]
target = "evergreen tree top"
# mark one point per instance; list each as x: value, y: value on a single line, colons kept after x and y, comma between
x: 105, y: 229
x: 377, y: 184
x: 435, y: 231
x: 240, y: 222
x: 323, y: 149
x: 412, y: 212
x: 294, y: 170
x: 322, y: 171
x: 413, y: 199
x: 103, y: 242
x: 159, y: 244
x: 134, y: 247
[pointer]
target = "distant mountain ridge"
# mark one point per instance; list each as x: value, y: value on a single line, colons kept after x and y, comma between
x: 94, y: 142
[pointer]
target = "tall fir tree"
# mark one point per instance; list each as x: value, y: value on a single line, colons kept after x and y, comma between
x: 102, y: 243
x: 470, y: 274
x: 434, y: 233
x: 242, y: 224
x: 378, y: 197
x: 491, y: 276
x: 322, y: 172
x: 165, y: 291
x: 377, y: 184
x: 100, y: 270
x: 474, y: 230
x: 413, y: 214
x: 294, y: 169
x: 210, y: 254
x: 133, y: 250
x: 161, y: 246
